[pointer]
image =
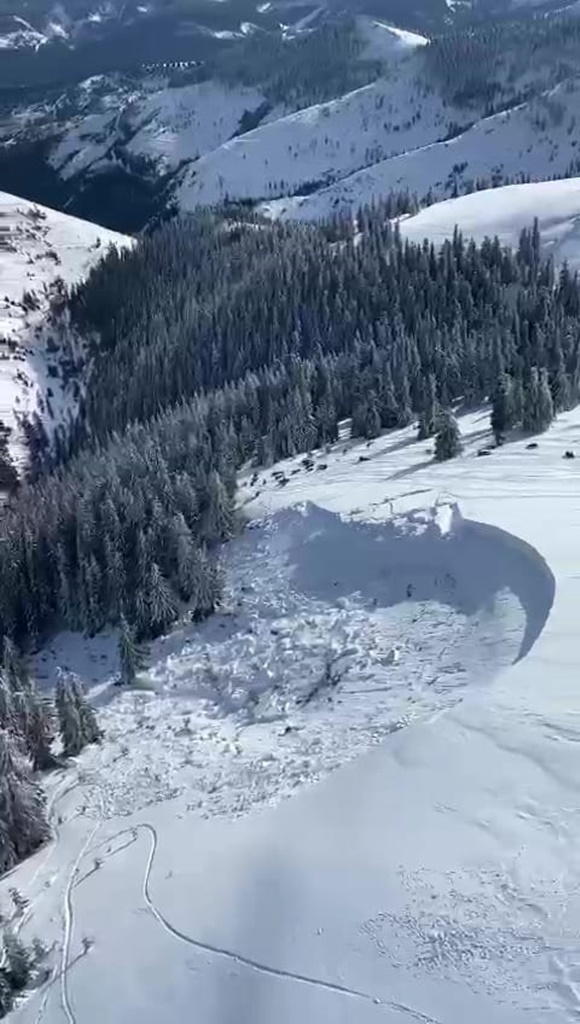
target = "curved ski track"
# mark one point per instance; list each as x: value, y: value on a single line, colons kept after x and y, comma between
x: 227, y: 954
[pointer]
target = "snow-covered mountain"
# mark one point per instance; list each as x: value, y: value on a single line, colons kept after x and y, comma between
x: 42, y: 363
x: 536, y: 140
x: 218, y: 849
x: 505, y: 213
x: 436, y: 119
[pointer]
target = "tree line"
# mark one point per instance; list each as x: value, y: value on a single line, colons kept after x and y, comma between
x: 228, y: 341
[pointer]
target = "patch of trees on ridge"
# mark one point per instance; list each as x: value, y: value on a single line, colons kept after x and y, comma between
x: 223, y: 342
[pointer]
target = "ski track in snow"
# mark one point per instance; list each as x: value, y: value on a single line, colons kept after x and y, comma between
x: 304, y: 583
x: 68, y: 914
x: 219, y: 951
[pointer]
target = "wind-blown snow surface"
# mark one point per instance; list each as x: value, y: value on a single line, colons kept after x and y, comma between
x: 505, y: 212
x: 38, y: 246
x: 433, y: 878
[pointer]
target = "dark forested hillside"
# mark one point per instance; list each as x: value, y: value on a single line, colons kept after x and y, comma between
x: 227, y: 341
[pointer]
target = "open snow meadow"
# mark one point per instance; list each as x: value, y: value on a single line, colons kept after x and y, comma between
x: 352, y: 795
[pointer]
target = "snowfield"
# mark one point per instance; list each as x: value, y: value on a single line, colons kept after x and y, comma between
x: 38, y: 246
x: 166, y: 126
x: 505, y: 212
x: 529, y: 138
x: 353, y: 794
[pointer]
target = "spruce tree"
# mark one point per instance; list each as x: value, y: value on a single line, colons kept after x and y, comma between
x: 22, y: 806
x: 69, y: 719
x: 428, y: 416
x: 132, y: 655
x: 18, y: 961
x: 448, y: 437
x: 161, y: 605
x: 90, y: 731
x: 503, y: 410
x: 545, y: 403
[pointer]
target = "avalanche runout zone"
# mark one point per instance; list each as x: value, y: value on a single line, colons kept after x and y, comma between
x: 336, y: 633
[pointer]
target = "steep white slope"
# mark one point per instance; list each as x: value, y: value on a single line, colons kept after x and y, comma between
x: 324, y: 142
x: 431, y: 880
x: 383, y: 41
x: 538, y: 139
x: 40, y: 359
x: 505, y: 212
x: 165, y: 125
x: 182, y: 124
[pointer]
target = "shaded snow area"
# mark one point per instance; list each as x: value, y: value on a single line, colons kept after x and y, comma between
x: 505, y: 212
x: 42, y: 362
x: 336, y: 634
x: 162, y: 124
x: 352, y: 794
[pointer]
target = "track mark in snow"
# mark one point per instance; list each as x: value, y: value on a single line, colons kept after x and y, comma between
x: 69, y: 919
x: 256, y: 965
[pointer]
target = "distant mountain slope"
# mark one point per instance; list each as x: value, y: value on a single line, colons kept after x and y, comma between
x: 165, y: 126
x: 505, y: 212
x: 317, y: 115
x: 41, y: 360
x: 536, y: 139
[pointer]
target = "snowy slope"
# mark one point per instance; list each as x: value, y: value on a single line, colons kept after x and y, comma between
x: 432, y: 878
x: 384, y: 41
x: 322, y: 143
x: 505, y: 212
x: 538, y: 139
x: 38, y: 246
x: 182, y: 124
x: 165, y: 125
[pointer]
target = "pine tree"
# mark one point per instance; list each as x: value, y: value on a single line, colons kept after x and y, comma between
x: 448, y: 437
x: 22, y: 806
x: 91, y: 733
x: 132, y: 655
x: 161, y: 605
x: 538, y: 405
x: 6, y: 993
x: 14, y: 668
x: 545, y: 403
x: 6, y: 706
x: 503, y: 410
x: 18, y: 961
x: 429, y: 412
x: 68, y: 717
x: 40, y: 733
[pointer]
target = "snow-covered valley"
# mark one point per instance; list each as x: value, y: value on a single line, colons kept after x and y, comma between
x: 431, y: 878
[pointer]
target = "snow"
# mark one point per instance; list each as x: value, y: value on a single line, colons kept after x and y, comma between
x: 505, y: 212
x: 384, y: 41
x: 165, y: 125
x: 535, y: 138
x: 322, y: 143
x: 37, y: 246
x: 24, y: 36
x: 403, y: 853
x: 181, y: 124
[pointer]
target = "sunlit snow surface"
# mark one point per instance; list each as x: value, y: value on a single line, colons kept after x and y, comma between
x: 407, y: 850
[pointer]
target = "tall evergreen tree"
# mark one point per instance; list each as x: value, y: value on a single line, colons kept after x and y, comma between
x: 77, y: 719
x: 23, y: 825
x: 132, y: 654
x: 503, y: 412
x: 448, y: 437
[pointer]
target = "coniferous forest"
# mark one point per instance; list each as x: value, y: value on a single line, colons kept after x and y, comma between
x: 223, y: 341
